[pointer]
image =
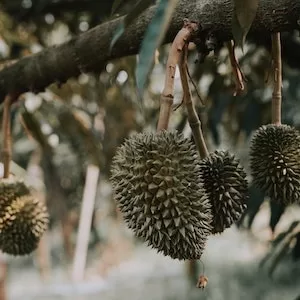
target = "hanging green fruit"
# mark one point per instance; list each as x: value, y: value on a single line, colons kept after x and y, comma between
x: 275, y: 162
x: 225, y: 182
x: 23, y: 218
x: 158, y: 187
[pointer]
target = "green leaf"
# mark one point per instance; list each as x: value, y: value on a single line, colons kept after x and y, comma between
x: 152, y: 39
x: 140, y: 7
x: 118, y: 33
x: 244, y: 13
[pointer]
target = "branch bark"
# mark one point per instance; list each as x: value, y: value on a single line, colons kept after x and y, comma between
x: 90, y: 51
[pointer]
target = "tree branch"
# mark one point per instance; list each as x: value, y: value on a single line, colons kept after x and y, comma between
x: 90, y: 51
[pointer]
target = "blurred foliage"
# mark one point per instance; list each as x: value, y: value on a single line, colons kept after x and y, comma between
x: 281, y: 246
x: 152, y: 39
x: 85, y: 119
x: 138, y: 8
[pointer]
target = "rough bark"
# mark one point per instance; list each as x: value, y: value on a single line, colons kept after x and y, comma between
x: 90, y: 51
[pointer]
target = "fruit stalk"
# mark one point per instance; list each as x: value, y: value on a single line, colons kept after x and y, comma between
x: 167, y: 96
x: 195, y: 125
x: 6, y: 152
x: 193, y: 118
x: 277, y: 71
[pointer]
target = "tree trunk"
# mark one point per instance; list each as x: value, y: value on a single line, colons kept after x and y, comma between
x: 68, y: 223
x: 43, y: 258
x: 85, y: 222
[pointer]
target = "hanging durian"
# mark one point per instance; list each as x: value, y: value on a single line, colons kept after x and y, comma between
x: 275, y: 162
x: 23, y: 218
x: 275, y: 148
x: 225, y: 182
x: 158, y: 187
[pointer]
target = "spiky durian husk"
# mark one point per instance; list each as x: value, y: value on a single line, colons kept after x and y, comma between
x: 10, y: 189
x: 226, y: 185
x: 275, y: 162
x: 23, y: 219
x: 157, y: 185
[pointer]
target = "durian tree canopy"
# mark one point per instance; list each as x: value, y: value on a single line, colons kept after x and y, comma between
x: 90, y: 51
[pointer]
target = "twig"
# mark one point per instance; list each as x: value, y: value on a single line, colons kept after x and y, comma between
x: 195, y: 86
x: 236, y: 69
x: 178, y: 105
x: 193, y: 118
x: 167, y: 95
x: 6, y: 152
x: 277, y: 95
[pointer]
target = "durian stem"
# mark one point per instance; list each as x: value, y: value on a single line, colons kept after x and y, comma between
x: 167, y: 96
x: 6, y: 152
x: 277, y: 65
x: 166, y: 103
x: 193, y: 118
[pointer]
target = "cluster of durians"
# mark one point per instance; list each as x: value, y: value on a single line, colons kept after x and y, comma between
x: 23, y: 218
x: 171, y: 198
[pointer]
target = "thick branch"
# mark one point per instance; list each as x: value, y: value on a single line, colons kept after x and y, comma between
x: 89, y: 51
x: 277, y: 70
x: 6, y: 153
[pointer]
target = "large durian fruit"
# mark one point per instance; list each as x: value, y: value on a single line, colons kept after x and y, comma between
x: 157, y: 185
x: 275, y: 162
x: 23, y: 218
x: 226, y: 184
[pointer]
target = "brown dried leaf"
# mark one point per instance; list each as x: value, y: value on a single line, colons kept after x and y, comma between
x: 202, y: 282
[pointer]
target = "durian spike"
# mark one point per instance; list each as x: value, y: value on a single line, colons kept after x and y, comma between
x: 277, y: 71
x: 6, y: 152
x: 193, y: 118
x: 166, y: 99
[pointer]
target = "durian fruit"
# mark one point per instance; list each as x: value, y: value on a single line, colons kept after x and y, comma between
x: 226, y: 185
x: 157, y: 185
x: 23, y: 218
x: 275, y: 162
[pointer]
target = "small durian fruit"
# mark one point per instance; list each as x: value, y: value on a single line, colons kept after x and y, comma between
x: 275, y: 162
x: 23, y: 218
x: 158, y: 188
x: 226, y: 185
